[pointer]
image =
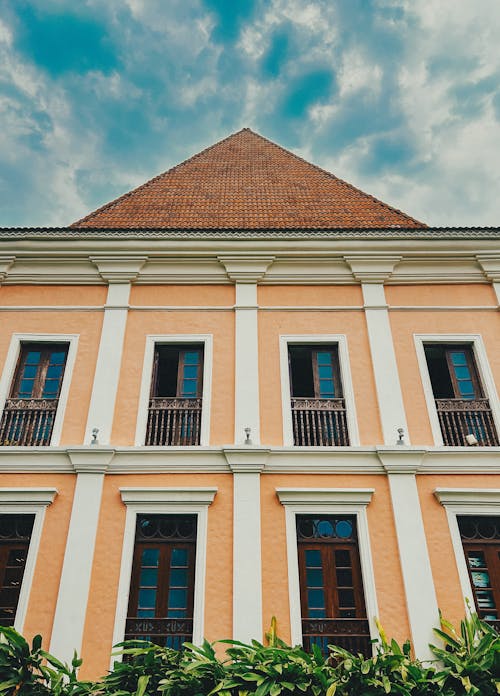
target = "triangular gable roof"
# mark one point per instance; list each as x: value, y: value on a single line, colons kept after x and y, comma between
x: 246, y: 182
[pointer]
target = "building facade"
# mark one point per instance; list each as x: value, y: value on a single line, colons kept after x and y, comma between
x: 247, y: 389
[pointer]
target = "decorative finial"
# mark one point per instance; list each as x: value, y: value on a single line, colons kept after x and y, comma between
x: 95, y: 432
x: 401, y: 437
x: 247, y: 438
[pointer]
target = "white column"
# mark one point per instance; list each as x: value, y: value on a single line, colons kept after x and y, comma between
x: 245, y: 271
x: 246, y: 465
x: 421, y: 601
x: 71, y: 608
x: 119, y: 273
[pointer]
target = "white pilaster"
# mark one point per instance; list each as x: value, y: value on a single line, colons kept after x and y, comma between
x: 118, y: 273
x: 421, y: 601
x: 69, y: 619
x: 490, y: 263
x: 245, y: 272
x: 246, y: 465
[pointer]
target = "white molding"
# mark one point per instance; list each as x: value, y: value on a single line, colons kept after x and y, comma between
x: 27, y: 501
x: 147, y: 375
x: 421, y: 601
x: 466, y: 501
x: 385, y: 368
x: 10, y: 367
x: 335, y: 501
x: 246, y: 363
x: 164, y: 501
x: 345, y: 375
x: 482, y: 365
x: 74, y: 586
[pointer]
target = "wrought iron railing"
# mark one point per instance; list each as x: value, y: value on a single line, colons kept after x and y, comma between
x: 173, y: 421
x: 27, y: 422
x: 171, y: 633
x: 461, y: 417
x: 319, y: 422
x: 351, y: 634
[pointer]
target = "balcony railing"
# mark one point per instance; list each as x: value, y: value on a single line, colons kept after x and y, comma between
x: 461, y: 417
x: 319, y: 422
x: 171, y: 633
x: 27, y: 422
x: 173, y: 422
x: 351, y: 634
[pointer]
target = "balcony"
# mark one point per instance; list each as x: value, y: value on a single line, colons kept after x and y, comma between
x: 461, y: 417
x: 319, y: 422
x: 27, y: 422
x: 350, y: 634
x: 173, y: 422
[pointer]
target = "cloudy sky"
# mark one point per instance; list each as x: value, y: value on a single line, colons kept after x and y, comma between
x: 399, y: 97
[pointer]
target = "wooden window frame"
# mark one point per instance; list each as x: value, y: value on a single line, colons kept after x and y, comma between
x: 183, y: 349
x: 46, y: 349
x: 314, y: 349
x: 471, y: 364
x: 6, y: 547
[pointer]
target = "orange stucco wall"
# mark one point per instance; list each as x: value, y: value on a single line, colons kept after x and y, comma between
x: 49, y: 561
x: 385, y: 555
x: 50, y: 295
x: 353, y: 325
x: 404, y: 325
x: 107, y: 560
x: 441, y: 295
x: 310, y: 295
x: 439, y: 544
x: 182, y: 295
x: 139, y: 325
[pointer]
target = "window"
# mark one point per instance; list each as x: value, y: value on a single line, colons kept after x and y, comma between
x: 317, y: 403
x: 162, y: 585
x: 30, y: 409
x: 15, y: 535
x: 464, y: 413
x: 481, y: 544
x: 331, y: 589
x: 175, y: 406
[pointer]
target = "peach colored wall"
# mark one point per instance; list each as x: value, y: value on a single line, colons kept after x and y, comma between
x: 310, y: 295
x: 404, y: 325
x: 178, y: 295
x: 441, y: 553
x: 107, y: 560
x: 49, y: 561
x: 85, y: 324
x: 385, y: 555
x: 47, y: 295
x: 437, y: 295
x: 139, y: 325
x: 353, y: 325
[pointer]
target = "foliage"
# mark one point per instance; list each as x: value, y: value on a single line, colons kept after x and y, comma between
x: 468, y: 665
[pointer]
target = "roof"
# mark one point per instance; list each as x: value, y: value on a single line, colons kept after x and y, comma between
x: 246, y: 182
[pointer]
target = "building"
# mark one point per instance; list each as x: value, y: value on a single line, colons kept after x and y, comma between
x: 247, y: 389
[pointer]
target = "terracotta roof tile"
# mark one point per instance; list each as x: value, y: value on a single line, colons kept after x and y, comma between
x: 246, y: 182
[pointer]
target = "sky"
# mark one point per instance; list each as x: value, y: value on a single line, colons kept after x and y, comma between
x: 399, y: 97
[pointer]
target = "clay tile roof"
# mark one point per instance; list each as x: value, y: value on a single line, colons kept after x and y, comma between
x: 246, y: 182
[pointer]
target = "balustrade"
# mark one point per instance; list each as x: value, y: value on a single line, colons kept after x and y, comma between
x: 319, y: 422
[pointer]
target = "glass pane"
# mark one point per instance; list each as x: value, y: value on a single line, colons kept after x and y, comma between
x: 26, y: 388
x: 54, y: 371
x: 177, y: 599
x: 480, y: 579
x: 191, y: 371
x: 59, y: 357
x: 485, y: 599
x: 326, y: 389
x: 33, y: 357
x: 324, y: 358
x: 30, y: 371
x: 458, y: 358
x: 149, y: 577
x: 179, y: 557
x: 466, y: 389
x: 346, y: 598
x: 462, y: 372
x: 316, y: 598
x: 316, y: 613
x: 176, y: 614
x: 314, y: 577
x: 313, y: 558
x: 178, y: 577
x: 325, y: 371
x: 342, y: 559
x: 344, y: 577
x: 146, y: 613
x: 325, y: 528
x: 189, y: 388
x: 147, y: 599
x: 191, y: 358
x: 344, y: 529
x: 150, y: 557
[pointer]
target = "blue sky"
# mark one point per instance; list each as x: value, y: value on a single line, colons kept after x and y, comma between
x: 399, y: 97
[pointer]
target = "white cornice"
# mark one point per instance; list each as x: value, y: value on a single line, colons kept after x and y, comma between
x: 490, y: 263
x: 246, y: 268
x: 118, y: 269
x: 372, y: 269
x: 246, y: 459
x: 324, y: 496
x: 468, y: 497
x: 27, y: 496
x: 5, y: 263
